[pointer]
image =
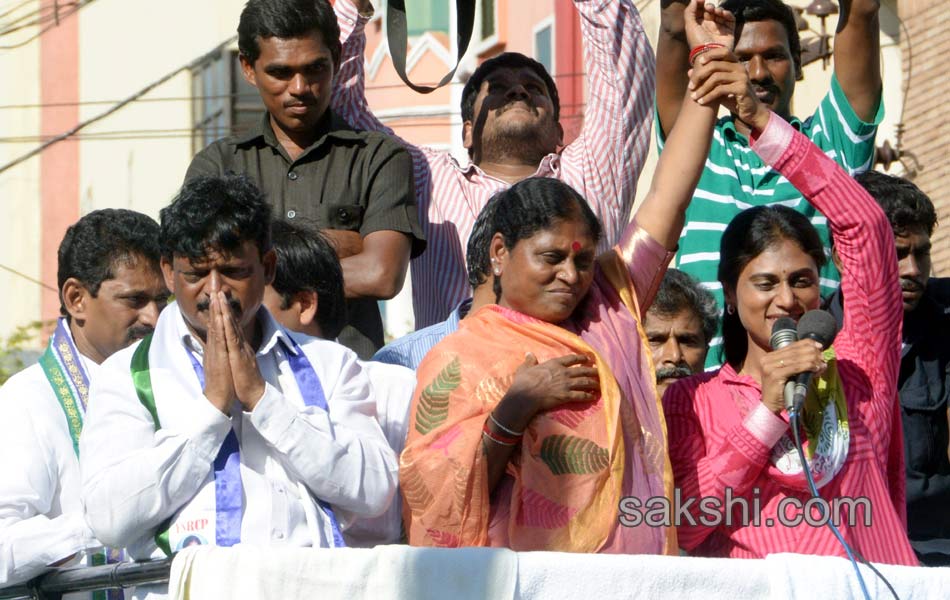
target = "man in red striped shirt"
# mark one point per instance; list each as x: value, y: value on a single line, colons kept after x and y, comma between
x: 510, y: 116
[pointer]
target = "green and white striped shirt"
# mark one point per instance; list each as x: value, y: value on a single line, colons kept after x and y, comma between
x: 735, y: 178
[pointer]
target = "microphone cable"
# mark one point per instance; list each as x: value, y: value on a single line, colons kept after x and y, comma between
x: 793, y: 422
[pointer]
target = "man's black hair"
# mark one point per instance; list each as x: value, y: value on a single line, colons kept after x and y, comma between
x: 477, y: 255
x: 906, y: 206
x: 768, y: 10
x: 505, y: 60
x: 306, y: 262
x: 678, y: 292
x: 287, y: 19
x: 215, y: 214
x: 102, y: 240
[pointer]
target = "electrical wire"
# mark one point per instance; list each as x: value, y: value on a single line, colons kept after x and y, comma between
x: 55, y: 23
x: 53, y: 15
x: 794, y: 424
x: 9, y: 11
x: 28, y: 278
x: 372, y: 88
x: 80, y: 126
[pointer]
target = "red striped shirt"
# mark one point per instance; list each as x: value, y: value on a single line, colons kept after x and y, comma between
x: 603, y: 163
x: 712, y: 447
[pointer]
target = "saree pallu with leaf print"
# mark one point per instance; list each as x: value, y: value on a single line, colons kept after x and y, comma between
x: 564, y: 482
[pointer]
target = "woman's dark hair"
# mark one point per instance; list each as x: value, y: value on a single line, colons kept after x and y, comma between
x: 535, y: 204
x: 215, y: 213
x: 477, y: 257
x: 768, y: 10
x: 287, y: 19
x: 306, y: 262
x: 750, y: 233
x: 95, y: 244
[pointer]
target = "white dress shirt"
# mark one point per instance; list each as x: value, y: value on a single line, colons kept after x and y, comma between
x: 41, y: 518
x: 393, y: 386
x: 134, y: 478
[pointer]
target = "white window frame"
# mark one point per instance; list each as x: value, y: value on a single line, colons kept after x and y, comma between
x: 547, y: 22
x: 484, y: 44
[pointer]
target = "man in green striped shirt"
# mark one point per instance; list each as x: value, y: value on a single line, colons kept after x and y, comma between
x: 735, y: 178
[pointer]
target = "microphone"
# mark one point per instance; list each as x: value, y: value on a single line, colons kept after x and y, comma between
x: 822, y: 327
x: 784, y: 332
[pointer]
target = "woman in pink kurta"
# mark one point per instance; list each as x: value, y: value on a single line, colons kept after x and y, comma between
x: 729, y: 438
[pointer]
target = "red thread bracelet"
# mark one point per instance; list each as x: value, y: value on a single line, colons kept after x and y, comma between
x: 500, y: 438
x: 702, y: 48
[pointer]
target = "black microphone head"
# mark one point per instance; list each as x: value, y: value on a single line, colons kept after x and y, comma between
x: 818, y: 325
x: 784, y: 333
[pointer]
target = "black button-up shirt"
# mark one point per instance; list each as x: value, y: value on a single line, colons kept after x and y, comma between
x: 924, y: 388
x: 347, y: 179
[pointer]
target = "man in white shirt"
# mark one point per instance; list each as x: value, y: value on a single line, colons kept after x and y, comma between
x: 307, y: 296
x: 221, y: 428
x: 111, y: 292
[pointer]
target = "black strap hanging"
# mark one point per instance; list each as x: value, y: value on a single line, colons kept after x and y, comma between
x: 397, y: 34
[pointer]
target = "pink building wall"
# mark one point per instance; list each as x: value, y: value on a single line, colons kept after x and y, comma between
x: 59, y: 164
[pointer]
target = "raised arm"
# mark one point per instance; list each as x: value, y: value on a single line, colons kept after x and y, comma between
x: 857, y: 53
x: 864, y: 241
x: 717, y: 77
x: 349, y: 90
x: 606, y: 160
x: 672, y: 64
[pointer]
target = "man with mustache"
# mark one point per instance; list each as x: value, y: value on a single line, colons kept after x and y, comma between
x: 924, y: 380
x: 510, y: 125
x: 679, y: 325
x: 111, y: 292
x: 735, y: 178
x: 221, y: 425
x: 355, y: 185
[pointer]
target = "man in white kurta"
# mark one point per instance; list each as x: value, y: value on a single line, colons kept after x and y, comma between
x: 111, y: 291
x: 135, y: 477
x: 229, y: 431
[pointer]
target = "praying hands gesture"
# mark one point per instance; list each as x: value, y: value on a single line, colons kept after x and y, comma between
x: 230, y: 363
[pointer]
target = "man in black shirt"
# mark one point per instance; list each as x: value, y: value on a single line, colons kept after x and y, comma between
x: 357, y: 186
x: 924, y: 380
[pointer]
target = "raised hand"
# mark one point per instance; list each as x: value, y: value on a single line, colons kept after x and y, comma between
x: 219, y: 385
x: 246, y: 376
x: 781, y: 365
x: 718, y: 77
x: 706, y: 23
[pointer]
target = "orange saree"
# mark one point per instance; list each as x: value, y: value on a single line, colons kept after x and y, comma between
x: 565, y: 481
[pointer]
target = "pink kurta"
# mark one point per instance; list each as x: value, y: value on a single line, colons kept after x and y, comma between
x: 721, y: 435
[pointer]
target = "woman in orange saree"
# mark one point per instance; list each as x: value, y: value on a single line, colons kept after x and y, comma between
x: 539, y: 415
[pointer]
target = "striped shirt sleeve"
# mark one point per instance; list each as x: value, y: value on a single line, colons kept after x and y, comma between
x: 606, y: 159
x: 873, y: 310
